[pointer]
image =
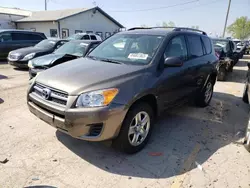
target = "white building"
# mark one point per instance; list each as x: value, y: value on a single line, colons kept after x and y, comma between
x: 63, y: 23
x: 8, y: 16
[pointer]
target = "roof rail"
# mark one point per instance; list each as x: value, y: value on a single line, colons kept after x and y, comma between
x: 174, y: 29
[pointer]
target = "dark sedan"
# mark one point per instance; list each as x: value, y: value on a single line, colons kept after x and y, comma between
x: 19, y: 58
x: 69, y: 51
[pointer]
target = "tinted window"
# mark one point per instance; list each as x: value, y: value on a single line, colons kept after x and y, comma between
x: 207, y: 44
x: 93, y: 37
x: 85, y: 37
x: 5, y: 37
x: 35, y: 37
x: 20, y: 36
x: 176, y: 48
x: 195, y: 46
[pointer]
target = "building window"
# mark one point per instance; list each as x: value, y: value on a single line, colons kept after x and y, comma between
x: 78, y: 31
x: 33, y: 29
x: 89, y: 31
x: 53, y: 33
x: 100, y: 34
x: 65, y: 33
x: 107, y: 34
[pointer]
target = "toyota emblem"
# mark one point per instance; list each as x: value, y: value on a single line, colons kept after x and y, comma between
x: 46, y: 93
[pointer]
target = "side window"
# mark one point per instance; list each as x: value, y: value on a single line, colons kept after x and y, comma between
x: 207, y: 44
x: 4, y: 37
x: 19, y: 36
x: 93, y: 37
x: 35, y: 37
x: 195, y: 46
x: 177, y: 48
x: 85, y: 37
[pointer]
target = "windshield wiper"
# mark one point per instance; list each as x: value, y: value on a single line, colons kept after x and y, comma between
x: 111, y: 61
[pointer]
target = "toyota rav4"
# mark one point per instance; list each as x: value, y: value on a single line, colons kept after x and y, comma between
x: 120, y: 88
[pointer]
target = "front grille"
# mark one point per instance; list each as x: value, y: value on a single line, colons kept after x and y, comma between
x: 53, y: 95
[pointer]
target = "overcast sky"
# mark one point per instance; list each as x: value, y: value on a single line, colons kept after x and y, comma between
x: 209, y: 15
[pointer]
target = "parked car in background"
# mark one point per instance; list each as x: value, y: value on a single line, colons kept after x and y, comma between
x: 245, y: 98
x: 227, y: 58
x: 240, y: 47
x: 69, y: 51
x: 14, y: 39
x: 117, y: 93
x: 19, y: 58
x: 85, y: 36
x: 247, y: 47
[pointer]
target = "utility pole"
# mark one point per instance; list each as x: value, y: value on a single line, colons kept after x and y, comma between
x: 45, y: 3
x: 225, y: 27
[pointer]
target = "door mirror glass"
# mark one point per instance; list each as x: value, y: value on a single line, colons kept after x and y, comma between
x: 173, y: 62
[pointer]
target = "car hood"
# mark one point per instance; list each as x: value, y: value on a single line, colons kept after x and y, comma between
x: 28, y: 50
x: 46, y: 60
x: 84, y: 74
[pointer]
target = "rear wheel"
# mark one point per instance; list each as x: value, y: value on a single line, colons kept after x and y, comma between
x: 136, y: 129
x: 205, y: 95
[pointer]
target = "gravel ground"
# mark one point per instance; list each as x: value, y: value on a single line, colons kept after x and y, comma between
x: 195, y: 147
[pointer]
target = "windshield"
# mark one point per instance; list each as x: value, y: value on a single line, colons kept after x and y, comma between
x: 220, y: 43
x: 128, y: 48
x: 73, y: 48
x: 76, y: 36
x: 46, y: 44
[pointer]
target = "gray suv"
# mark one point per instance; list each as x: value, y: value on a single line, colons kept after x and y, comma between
x: 120, y: 88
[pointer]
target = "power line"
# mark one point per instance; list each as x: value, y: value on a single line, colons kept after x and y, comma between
x: 157, y: 8
x: 200, y: 5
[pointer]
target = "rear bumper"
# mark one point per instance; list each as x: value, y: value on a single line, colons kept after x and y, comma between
x: 78, y: 122
x: 19, y: 64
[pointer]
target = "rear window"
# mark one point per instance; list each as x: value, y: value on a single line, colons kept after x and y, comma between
x: 207, y: 44
x: 195, y: 46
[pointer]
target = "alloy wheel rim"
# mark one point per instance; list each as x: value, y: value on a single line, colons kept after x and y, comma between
x: 208, y: 92
x: 139, y: 128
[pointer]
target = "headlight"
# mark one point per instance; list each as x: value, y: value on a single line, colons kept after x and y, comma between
x: 30, y: 64
x: 29, y: 56
x: 96, y: 98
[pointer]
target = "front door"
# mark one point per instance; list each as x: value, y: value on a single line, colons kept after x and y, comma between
x: 175, y: 81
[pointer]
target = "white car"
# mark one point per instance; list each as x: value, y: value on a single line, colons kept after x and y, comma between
x: 85, y: 36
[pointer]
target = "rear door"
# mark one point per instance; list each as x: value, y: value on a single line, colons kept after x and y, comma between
x: 199, y: 59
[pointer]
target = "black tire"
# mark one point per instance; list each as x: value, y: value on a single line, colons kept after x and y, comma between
x: 222, y: 74
x: 245, y: 94
x: 122, y: 142
x: 247, y: 138
x: 202, y: 100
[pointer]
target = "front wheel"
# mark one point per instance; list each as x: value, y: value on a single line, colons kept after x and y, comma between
x: 205, y: 96
x: 136, y: 129
x: 247, y: 138
x: 245, y: 94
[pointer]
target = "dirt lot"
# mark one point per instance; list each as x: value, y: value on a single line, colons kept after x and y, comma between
x: 197, y: 147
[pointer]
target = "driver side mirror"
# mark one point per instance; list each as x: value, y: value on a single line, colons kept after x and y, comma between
x: 173, y: 62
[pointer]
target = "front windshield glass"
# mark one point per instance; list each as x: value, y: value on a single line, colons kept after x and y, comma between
x: 46, y: 44
x: 128, y: 48
x: 76, y: 36
x: 73, y: 48
x: 220, y: 43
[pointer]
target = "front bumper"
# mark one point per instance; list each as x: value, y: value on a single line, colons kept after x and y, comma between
x: 19, y: 64
x: 78, y: 122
